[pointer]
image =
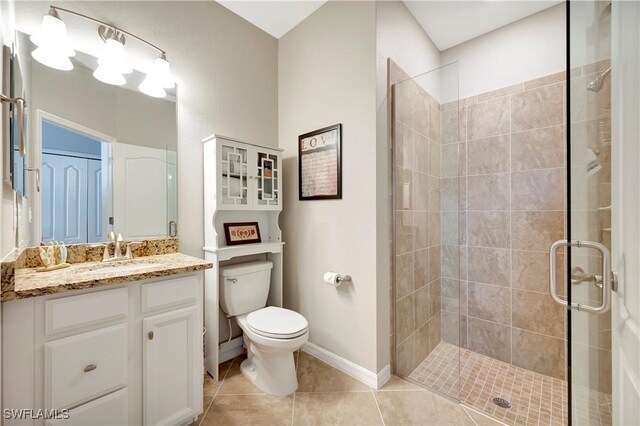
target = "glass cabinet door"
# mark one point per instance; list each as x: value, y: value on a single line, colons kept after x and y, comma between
x: 267, y: 195
x: 234, y: 179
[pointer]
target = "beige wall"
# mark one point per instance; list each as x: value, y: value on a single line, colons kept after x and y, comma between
x: 226, y: 71
x: 526, y: 49
x: 327, y: 75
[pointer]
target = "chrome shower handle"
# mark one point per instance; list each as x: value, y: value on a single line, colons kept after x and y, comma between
x: 607, y: 276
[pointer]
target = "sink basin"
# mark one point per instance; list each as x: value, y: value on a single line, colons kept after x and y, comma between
x: 117, y: 269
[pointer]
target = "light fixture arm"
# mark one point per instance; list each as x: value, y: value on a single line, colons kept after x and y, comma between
x: 105, y: 25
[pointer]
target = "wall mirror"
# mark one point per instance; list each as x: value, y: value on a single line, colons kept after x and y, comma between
x: 100, y: 157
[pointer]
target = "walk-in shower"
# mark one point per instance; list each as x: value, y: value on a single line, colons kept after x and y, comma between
x: 480, y: 193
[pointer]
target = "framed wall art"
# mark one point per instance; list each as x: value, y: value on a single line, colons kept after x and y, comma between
x: 242, y: 233
x: 320, y: 164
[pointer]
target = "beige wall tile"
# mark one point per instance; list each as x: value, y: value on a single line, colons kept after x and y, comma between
x: 435, y: 121
x: 403, y: 102
x: 404, y: 145
x: 488, y: 229
x: 405, y: 317
x: 453, y: 160
x: 451, y: 229
x: 450, y: 327
x: 420, y: 154
x: 504, y: 91
x: 435, y: 330
x: 452, y: 192
x: 591, y: 367
x: 406, y: 356
x: 538, y: 312
x: 421, y: 225
x: 434, y: 194
x: 404, y: 231
x: 434, y: 263
x: 489, y: 339
x: 489, y: 155
x: 450, y: 294
x: 434, y: 157
x: 404, y: 274
x: 538, y: 190
x: 489, y: 265
x: 420, y: 268
x: 489, y: 118
x: 454, y: 125
x: 541, y: 107
x: 423, y: 345
x: 536, y: 230
x: 450, y: 260
x: 488, y: 192
x: 538, y: 149
x: 434, y: 297
x: 421, y: 112
x: 539, y: 353
x: 434, y: 229
x: 423, y: 305
x: 530, y: 270
x: 490, y: 302
x: 420, y: 191
x: 546, y: 80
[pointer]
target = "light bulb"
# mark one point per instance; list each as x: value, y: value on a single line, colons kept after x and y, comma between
x: 54, y: 48
x: 113, y: 56
x: 52, y: 58
x: 151, y: 86
x: 162, y: 72
x: 52, y: 34
x: 109, y: 74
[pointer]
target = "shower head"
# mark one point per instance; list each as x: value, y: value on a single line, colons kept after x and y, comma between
x: 596, y: 84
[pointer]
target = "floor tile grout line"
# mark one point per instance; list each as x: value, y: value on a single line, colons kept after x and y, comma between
x: 204, y: 414
x: 373, y: 393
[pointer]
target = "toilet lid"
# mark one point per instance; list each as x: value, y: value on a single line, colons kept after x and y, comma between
x: 277, y: 323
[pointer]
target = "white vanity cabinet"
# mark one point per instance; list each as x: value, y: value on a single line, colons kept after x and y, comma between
x: 246, y: 176
x: 118, y: 355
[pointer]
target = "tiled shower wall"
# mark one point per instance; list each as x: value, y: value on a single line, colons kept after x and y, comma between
x: 509, y: 151
x: 417, y: 136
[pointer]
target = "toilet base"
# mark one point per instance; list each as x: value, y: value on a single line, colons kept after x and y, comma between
x: 271, y: 371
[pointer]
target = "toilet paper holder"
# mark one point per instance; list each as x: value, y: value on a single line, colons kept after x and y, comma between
x: 343, y: 278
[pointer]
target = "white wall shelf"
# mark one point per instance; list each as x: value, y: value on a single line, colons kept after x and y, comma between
x: 242, y: 183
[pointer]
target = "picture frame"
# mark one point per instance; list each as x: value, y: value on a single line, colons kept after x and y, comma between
x: 320, y: 164
x: 242, y: 233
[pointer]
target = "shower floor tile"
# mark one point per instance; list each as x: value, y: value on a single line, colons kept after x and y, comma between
x: 535, y: 398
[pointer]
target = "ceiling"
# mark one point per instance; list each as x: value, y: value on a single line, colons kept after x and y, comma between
x: 449, y: 23
x: 273, y: 17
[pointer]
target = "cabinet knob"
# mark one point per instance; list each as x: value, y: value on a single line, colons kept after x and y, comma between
x: 150, y: 334
x: 90, y: 367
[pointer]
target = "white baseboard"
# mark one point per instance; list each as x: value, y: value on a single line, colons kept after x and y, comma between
x: 371, y: 379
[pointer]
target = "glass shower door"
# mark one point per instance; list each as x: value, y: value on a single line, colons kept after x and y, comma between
x: 426, y: 253
x: 589, y: 279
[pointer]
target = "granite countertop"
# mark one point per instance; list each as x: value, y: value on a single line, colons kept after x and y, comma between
x: 29, y: 283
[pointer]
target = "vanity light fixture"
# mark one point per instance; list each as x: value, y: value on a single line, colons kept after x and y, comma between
x: 158, y: 78
x: 53, y: 46
x: 54, y: 50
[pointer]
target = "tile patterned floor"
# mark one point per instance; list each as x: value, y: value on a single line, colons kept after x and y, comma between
x: 535, y: 398
x: 327, y: 396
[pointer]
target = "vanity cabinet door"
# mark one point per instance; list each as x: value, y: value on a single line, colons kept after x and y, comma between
x: 267, y: 174
x: 232, y: 189
x: 172, y: 370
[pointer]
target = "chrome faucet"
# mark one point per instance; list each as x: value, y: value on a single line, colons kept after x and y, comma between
x: 117, y: 253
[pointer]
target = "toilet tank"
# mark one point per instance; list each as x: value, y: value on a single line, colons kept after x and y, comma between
x: 244, y: 287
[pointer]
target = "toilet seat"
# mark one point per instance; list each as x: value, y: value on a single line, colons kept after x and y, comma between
x: 277, y: 323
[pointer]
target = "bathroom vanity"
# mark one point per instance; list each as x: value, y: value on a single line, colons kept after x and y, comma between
x: 114, y: 343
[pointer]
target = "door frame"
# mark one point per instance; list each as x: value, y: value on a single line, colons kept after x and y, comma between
x: 107, y: 153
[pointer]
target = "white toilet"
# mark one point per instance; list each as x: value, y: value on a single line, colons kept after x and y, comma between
x: 271, y: 334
